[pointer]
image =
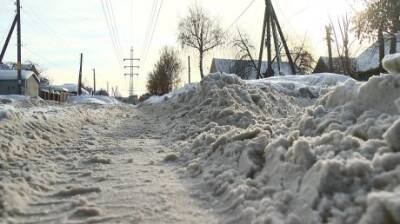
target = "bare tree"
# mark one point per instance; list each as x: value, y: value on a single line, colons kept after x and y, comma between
x: 199, y: 31
x: 344, y: 44
x: 244, y: 48
x: 302, y: 57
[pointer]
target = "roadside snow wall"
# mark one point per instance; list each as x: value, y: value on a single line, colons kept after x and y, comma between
x: 267, y: 154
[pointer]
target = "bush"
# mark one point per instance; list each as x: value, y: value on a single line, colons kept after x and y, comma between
x: 165, y: 75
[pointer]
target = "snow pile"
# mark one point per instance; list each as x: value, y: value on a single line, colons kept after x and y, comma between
x: 303, y: 85
x: 392, y: 63
x: 21, y: 100
x: 265, y: 156
x: 88, y: 99
x: 166, y: 97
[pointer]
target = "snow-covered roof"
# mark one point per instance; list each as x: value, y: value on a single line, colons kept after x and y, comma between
x: 72, y: 88
x: 4, y: 67
x: 12, y: 74
x: 232, y: 66
x: 369, y: 59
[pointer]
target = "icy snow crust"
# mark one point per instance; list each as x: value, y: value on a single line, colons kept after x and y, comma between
x: 316, y: 149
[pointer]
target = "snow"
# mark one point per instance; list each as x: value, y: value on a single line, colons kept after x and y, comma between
x: 291, y: 149
x: 392, y: 63
x: 72, y: 88
x: 166, y: 97
x: 369, y: 59
x: 303, y: 84
x: 13, y: 98
x: 88, y: 99
x: 307, y: 149
x: 13, y: 75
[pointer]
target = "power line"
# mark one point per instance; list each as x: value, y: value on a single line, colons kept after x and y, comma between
x: 111, y: 33
x: 149, y: 26
x: 32, y: 14
x: 241, y: 14
x: 39, y: 56
x: 153, y: 30
x: 114, y: 24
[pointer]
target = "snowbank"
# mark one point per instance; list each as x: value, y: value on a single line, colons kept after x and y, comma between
x: 392, y: 63
x: 302, y: 85
x: 268, y: 152
x: 88, y: 99
x: 166, y: 97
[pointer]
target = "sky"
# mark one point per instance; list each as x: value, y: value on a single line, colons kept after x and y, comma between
x: 54, y: 33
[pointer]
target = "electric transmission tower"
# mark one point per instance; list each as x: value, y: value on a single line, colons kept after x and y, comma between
x: 131, y: 73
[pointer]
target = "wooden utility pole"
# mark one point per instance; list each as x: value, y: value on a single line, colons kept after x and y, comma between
x: 381, y: 42
x: 271, y: 25
x: 108, y: 90
x: 19, y: 55
x: 4, y: 49
x: 283, y: 39
x: 270, y: 71
x: 80, y: 77
x: 189, y: 70
x: 277, y: 50
x: 94, y: 81
x: 328, y: 30
x: 260, y: 57
x: 131, y: 73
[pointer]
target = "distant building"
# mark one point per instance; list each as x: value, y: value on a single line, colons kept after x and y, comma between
x: 9, y: 83
x: 322, y: 65
x: 60, y: 93
x: 364, y: 66
x: 245, y: 68
x: 368, y: 61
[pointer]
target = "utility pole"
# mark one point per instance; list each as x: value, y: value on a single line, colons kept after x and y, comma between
x: 108, y: 90
x: 19, y: 55
x: 328, y: 30
x: 80, y: 77
x: 131, y: 74
x: 271, y: 25
x: 260, y: 57
x: 94, y: 81
x: 189, y: 70
x: 4, y: 49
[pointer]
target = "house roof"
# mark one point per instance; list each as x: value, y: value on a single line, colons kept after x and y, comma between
x: 227, y: 66
x: 12, y: 75
x: 369, y: 59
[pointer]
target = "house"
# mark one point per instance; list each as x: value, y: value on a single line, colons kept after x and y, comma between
x: 322, y: 65
x: 9, y: 83
x: 364, y: 66
x: 245, y: 68
x: 368, y: 61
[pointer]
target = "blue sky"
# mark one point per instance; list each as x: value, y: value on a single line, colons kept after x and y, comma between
x: 55, y: 32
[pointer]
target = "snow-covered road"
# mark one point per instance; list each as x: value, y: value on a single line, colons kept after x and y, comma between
x: 113, y: 171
